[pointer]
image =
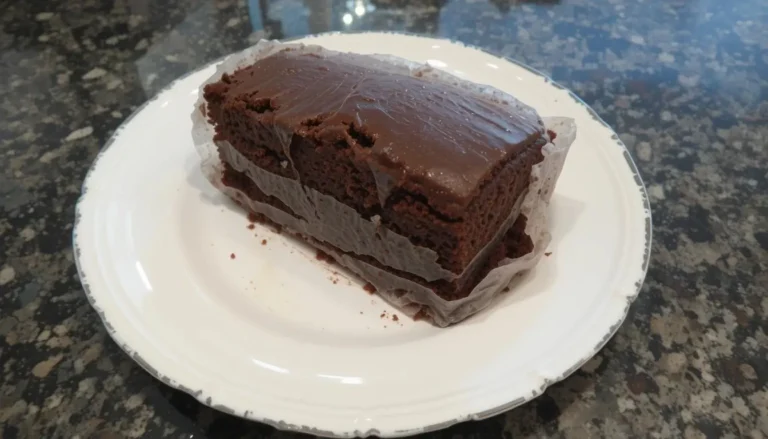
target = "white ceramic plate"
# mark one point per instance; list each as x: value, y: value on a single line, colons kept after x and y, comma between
x: 275, y: 336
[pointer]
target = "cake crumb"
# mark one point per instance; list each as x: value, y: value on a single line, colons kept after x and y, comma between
x: 505, y: 290
x: 252, y: 217
x: 263, y: 242
x: 232, y: 256
x: 421, y: 315
x: 548, y: 254
x: 369, y: 288
x: 251, y: 226
x: 325, y: 257
x: 384, y: 314
x: 552, y: 135
x: 395, y: 317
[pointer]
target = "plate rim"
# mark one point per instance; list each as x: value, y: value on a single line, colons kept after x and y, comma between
x: 282, y: 425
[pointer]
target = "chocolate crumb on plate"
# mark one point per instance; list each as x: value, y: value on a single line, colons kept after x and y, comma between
x: 325, y: 257
x: 552, y: 135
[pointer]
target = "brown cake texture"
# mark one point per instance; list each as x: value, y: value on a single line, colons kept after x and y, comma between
x: 418, y: 178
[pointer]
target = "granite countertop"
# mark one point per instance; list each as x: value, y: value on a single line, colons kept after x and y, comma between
x: 683, y: 82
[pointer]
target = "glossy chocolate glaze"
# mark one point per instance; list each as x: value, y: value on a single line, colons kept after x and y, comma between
x: 427, y: 137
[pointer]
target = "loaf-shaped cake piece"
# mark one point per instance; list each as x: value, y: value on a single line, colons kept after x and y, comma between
x: 407, y: 180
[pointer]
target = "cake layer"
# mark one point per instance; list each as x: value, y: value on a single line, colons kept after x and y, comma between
x: 427, y: 161
x: 430, y: 138
x: 512, y: 244
x: 327, y: 220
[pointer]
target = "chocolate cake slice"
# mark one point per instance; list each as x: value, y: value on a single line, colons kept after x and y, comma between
x: 409, y: 181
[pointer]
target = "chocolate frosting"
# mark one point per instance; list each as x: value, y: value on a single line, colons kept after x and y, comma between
x: 431, y: 138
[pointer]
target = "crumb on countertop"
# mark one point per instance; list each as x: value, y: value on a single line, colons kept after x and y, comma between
x: 232, y: 256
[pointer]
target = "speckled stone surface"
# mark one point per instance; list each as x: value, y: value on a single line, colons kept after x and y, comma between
x: 683, y: 82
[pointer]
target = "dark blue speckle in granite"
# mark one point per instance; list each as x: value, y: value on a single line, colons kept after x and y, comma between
x: 683, y: 82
